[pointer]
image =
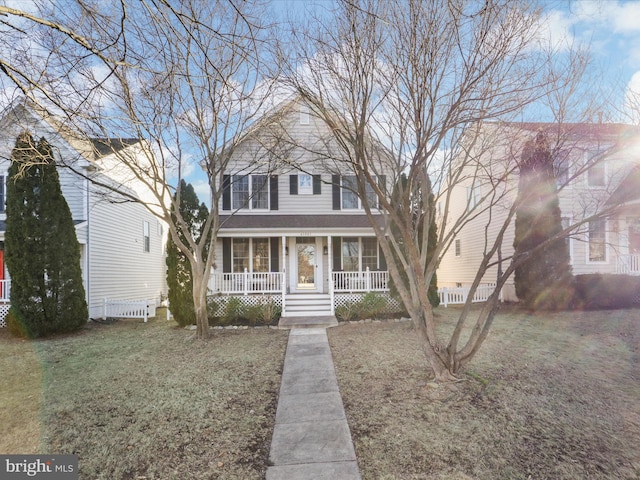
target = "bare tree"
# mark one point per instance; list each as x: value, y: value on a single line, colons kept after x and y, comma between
x: 420, y: 82
x: 184, y: 80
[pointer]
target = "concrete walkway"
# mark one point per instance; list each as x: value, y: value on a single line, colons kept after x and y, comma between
x: 311, y: 438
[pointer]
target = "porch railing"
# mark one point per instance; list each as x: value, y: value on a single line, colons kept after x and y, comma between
x: 5, y: 290
x: 246, y: 282
x: 628, y: 264
x: 366, y: 281
x: 459, y: 295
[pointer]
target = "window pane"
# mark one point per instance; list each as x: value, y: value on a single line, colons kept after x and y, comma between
x: 240, y: 191
x: 240, y: 254
x: 260, y: 190
x: 305, y: 184
x: 372, y: 198
x: 260, y: 254
x: 349, y: 195
x: 369, y: 253
x: 596, y: 173
x: 561, y: 168
x: 350, y: 254
x: 597, y: 241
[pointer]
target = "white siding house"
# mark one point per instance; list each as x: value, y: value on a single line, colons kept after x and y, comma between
x: 597, y: 168
x: 122, y: 242
x: 291, y: 227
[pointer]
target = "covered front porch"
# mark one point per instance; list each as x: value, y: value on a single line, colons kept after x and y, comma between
x: 304, y: 270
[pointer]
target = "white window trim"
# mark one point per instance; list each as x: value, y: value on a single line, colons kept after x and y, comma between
x: 249, y: 205
x: 305, y: 189
x: 606, y: 246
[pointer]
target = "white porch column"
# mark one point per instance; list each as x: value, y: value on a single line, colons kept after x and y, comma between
x: 330, y: 273
x: 284, y: 272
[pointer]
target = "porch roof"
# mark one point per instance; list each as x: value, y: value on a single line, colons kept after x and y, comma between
x: 307, y: 222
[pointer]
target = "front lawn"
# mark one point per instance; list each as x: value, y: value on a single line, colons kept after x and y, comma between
x: 137, y: 400
x: 553, y: 396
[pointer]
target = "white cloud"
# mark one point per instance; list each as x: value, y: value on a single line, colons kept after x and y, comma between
x: 632, y: 99
x: 203, y: 191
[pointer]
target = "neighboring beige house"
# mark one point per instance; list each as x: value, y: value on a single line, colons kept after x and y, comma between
x: 122, y: 243
x: 292, y: 228
x: 597, y: 167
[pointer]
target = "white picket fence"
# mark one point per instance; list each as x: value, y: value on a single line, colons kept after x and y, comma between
x: 458, y: 295
x: 129, y: 308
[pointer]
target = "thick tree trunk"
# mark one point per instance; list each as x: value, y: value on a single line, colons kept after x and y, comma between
x: 200, y: 305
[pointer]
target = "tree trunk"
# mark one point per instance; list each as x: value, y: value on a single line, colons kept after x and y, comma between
x: 200, y: 304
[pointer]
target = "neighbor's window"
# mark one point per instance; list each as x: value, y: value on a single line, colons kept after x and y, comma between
x: 597, y: 241
x: 458, y: 247
x: 250, y: 191
x: 596, y: 173
x: 561, y: 168
x: 146, y: 237
x: 2, y: 193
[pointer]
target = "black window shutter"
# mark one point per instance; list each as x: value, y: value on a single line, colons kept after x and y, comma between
x: 226, y: 255
x: 273, y: 192
x: 382, y: 183
x: 337, y: 254
x: 226, y: 192
x: 275, y: 263
x: 382, y: 261
x: 317, y: 185
x: 293, y: 184
x: 335, y: 180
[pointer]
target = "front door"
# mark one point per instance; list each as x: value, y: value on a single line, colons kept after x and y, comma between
x: 307, y: 265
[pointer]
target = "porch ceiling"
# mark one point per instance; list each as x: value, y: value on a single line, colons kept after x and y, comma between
x: 306, y: 222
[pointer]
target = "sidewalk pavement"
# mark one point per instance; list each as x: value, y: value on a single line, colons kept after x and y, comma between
x: 311, y: 438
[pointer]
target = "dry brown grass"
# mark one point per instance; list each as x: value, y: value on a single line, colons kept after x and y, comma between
x: 137, y: 400
x: 552, y: 396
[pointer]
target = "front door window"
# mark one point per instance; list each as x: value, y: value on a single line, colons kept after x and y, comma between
x: 306, y: 252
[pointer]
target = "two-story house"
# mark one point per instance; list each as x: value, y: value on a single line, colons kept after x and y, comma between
x: 292, y: 224
x: 122, y: 243
x: 597, y: 169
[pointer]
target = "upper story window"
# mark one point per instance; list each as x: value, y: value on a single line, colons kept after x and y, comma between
x: 561, y: 168
x: 304, y: 115
x: 250, y: 191
x: 474, y: 195
x: 350, y: 198
x: 596, y: 169
x: 305, y: 184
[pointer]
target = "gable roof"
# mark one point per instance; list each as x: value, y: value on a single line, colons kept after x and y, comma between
x: 628, y: 190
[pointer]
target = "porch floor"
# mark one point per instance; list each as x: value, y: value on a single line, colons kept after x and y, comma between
x: 308, y: 322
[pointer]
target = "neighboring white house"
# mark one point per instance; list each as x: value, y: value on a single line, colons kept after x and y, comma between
x: 597, y: 166
x: 122, y: 243
x: 292, y: 228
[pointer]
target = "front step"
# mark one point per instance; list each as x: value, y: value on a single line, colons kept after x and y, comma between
x: 307, y: 305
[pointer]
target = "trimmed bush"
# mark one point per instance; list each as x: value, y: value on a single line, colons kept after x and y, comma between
x: 371, y: 305
x: 602, y: 292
